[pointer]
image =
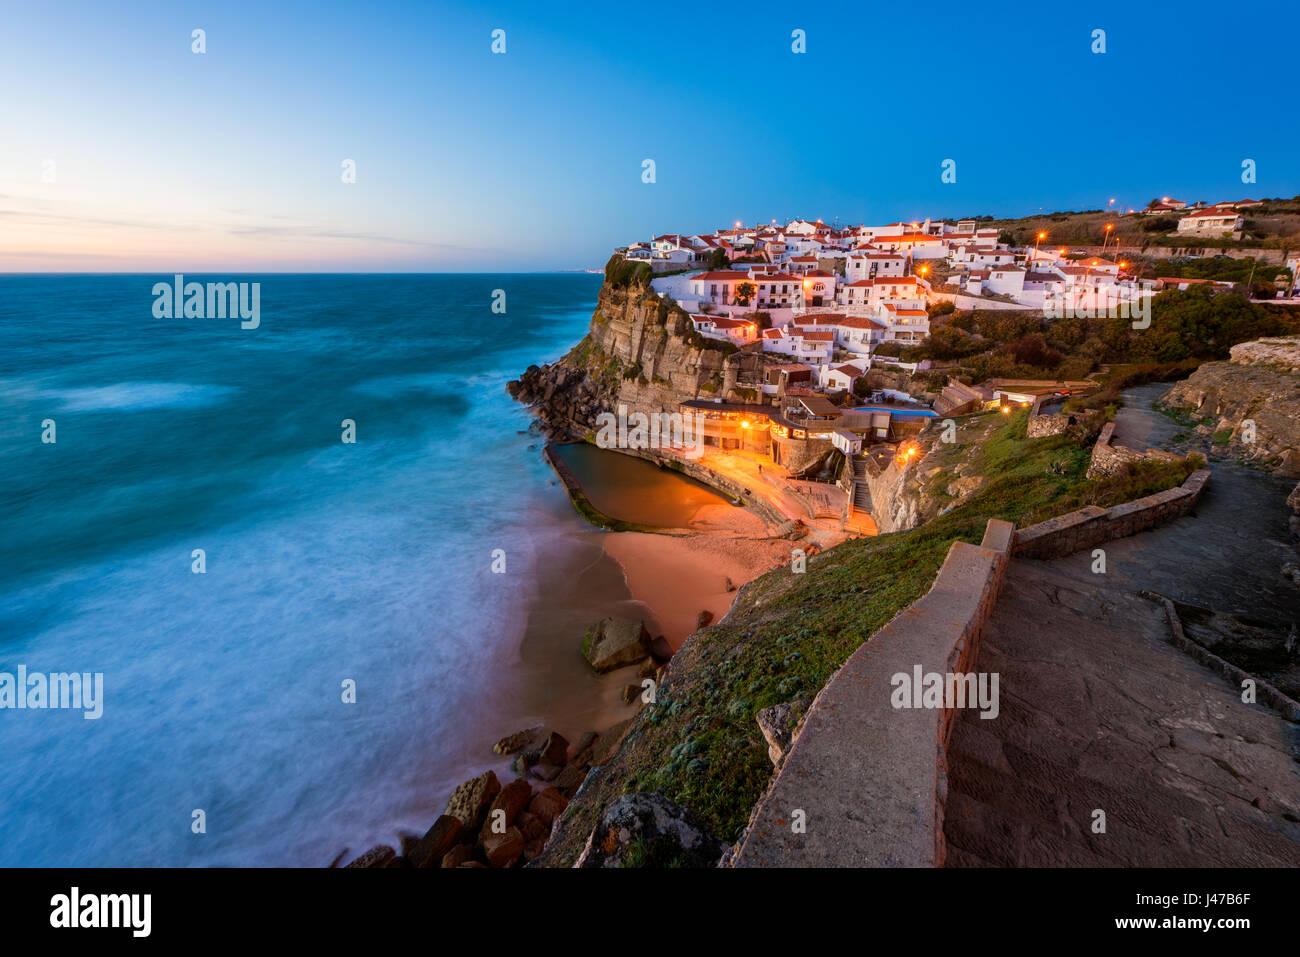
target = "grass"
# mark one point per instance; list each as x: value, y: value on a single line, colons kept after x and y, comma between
x: 787, y: 634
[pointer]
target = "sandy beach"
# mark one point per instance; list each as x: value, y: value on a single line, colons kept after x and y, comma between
x: 678, y: 576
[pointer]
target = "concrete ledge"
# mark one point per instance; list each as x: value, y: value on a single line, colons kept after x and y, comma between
x: 871, y: 779
x: 1091, y: 525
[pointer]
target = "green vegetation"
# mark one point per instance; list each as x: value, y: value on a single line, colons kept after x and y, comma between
x: 699, y: 744
x: 1197, y: 324
x: 663, y: 852
x: 621, y: 273
x: 1107, y: 398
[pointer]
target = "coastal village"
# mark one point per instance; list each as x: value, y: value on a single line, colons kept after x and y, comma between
x: 811, y: 309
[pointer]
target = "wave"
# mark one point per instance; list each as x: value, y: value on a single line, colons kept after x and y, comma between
x: 136, y: 396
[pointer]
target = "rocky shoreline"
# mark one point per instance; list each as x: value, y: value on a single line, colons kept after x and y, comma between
x: 488, y: 824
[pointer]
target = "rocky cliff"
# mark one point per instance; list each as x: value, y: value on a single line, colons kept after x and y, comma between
x: 641, y: 351
x: 1248, y: 406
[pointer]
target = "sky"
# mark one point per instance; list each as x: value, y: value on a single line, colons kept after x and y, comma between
x: 121, y: 149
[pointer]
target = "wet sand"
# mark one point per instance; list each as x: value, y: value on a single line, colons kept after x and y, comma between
x: 678, y: 576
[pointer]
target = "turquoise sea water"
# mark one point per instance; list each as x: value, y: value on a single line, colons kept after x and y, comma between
x: 325, y: 561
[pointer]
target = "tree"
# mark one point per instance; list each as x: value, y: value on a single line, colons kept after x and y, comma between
x: 745, y: 292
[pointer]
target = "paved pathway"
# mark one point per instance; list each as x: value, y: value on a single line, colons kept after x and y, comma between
x: 1100, y: 711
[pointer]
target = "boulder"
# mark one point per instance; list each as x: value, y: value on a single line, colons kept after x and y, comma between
x: 547, y: 805
x: 470, y: 801
x: 614, y: 642
x: 458, y: 855
x: 517, y: 741
x: 502, y: 850
x: 511, y: 799
x: 378, y: 856
x: 533, y: 849
x: 555, y: 750
x: 703, y: 619
x: 777, y: 724
x: 428, y: 851
x: 631, y: 694
x: 1293, y: 500
x: 648, y: 830
x: 649, y: 668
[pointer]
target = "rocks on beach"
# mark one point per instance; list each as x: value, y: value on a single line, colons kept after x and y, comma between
x: 615, y: 642
x: 487, y: 824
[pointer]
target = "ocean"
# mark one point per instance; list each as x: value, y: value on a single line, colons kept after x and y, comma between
x: 326, y: 562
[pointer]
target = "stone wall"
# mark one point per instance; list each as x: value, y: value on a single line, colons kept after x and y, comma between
x: 871, y: 779
x: 1039, y: 426
x: 1108, y: 459
x: 722, y: 483
x: 1092, y: 525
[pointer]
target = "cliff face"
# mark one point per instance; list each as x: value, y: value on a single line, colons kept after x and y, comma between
x: 639, y: 352
x: 1248, y: 406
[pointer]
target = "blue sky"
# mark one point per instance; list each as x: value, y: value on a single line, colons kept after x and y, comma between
x: 166, y: 160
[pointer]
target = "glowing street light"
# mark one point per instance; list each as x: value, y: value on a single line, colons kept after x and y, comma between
x: 1038, y: 239
x: 1109, y: 227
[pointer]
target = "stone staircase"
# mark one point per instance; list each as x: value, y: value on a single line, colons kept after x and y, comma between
x: 861, y: 497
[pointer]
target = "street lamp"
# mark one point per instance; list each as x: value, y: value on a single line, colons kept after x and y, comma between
x: 1109, y: 227
x: 1038, y: 239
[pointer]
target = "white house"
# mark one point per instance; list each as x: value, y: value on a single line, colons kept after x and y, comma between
x: 856, y: 334
x: 819, y: 288
x: 1210, y: 222
x: 1006, y: 280
x: 870, y: 264
x: 839, y: 378
x: 916, y: 245
x: 718, y: 286
x: 974, y: 257
x: 814, y: 346
x: 736, y: 331
x: 778, y: 291
x: 903, y: 323
x: 864, y: 296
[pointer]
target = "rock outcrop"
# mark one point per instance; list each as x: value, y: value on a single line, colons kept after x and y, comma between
x: 1248, y: 406
x: 778, y: 724
x: 639, y: 352
x: 648, y: 830
x: 469, y: 803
